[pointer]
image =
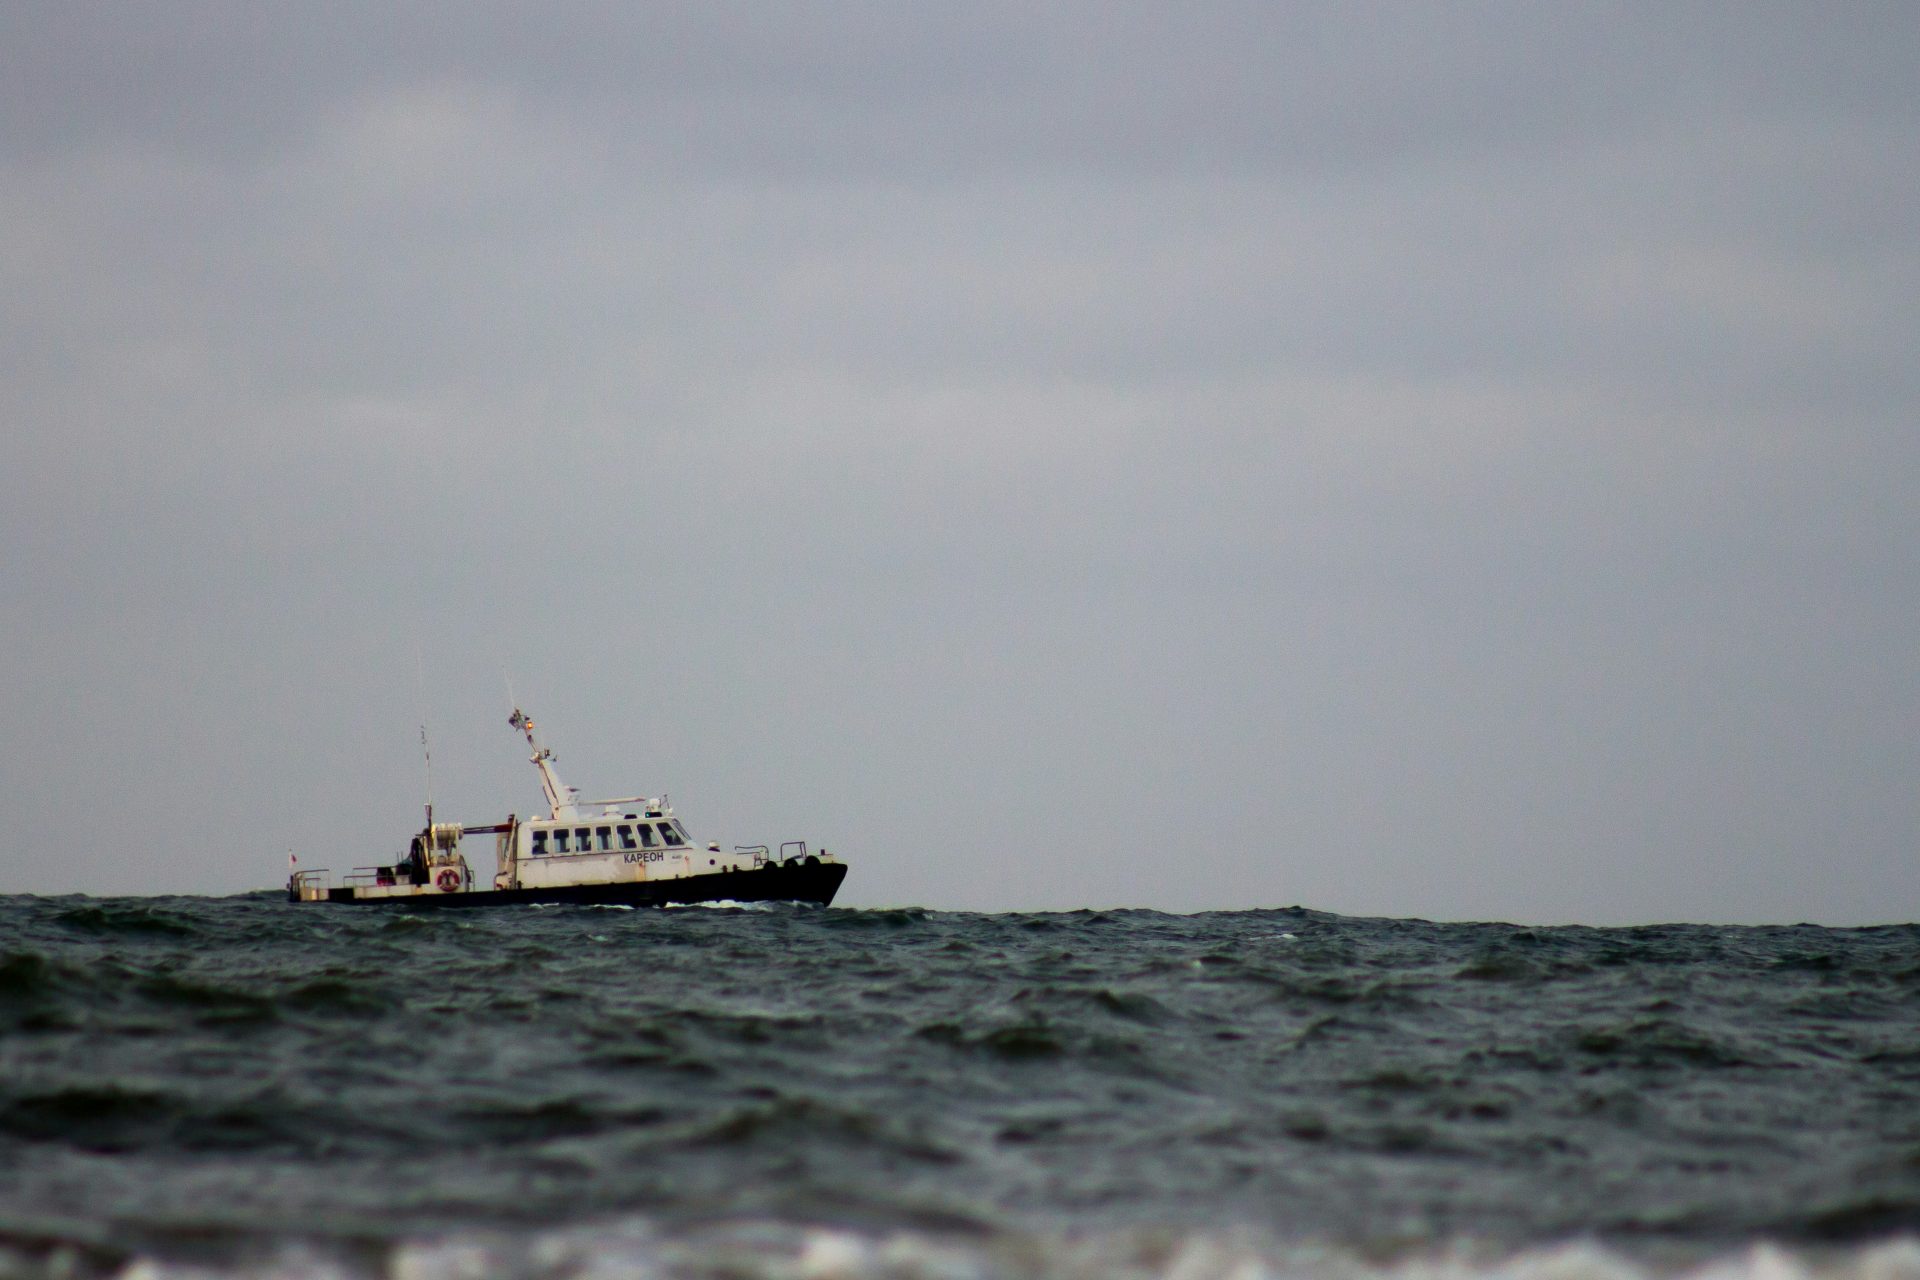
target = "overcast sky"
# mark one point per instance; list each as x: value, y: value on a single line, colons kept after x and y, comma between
x: 1439, y: 460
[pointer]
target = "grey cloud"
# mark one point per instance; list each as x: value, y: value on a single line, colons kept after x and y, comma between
x: 807, y: 89
x: 1429, y: 460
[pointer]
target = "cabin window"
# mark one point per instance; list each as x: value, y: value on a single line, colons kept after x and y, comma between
x: 671, y: 836
x: 583, y: 839
x: 646, y: 834
x: 626, y: 837
x: 606, y: 837
x: 559, y: 841
x: 539, y: 844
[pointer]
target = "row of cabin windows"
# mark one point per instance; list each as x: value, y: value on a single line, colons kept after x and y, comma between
x: 592, y: 839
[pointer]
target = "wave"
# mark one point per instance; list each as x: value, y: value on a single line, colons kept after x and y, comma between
x: 110, y: 918
x: 810, y: 1093
x: 747, y: 1249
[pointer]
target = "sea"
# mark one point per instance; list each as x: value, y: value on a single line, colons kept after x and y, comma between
x: 242, y: 1087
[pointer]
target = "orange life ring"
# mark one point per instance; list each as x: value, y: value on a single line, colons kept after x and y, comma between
x: 448, y: 880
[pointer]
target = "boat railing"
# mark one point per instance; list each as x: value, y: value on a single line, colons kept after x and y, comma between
x: 759, y: 852
x: 315, y: 876
x: 800, y: 845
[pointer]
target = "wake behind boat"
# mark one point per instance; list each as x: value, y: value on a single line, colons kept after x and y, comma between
x: 631, y: 851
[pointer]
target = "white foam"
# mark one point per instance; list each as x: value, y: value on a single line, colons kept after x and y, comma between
x: 444, y: 1260
x: 638, y: 1250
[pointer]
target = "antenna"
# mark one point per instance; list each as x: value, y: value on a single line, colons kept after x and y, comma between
x: 420, y: 696
x: 429, y: 755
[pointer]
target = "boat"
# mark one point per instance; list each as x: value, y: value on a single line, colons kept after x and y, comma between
x: 632, y: 851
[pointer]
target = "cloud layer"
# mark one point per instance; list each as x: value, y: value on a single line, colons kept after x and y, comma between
x: 1437, y: 460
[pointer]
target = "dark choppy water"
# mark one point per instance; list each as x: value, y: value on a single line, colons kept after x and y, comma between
x: 231, y: 1086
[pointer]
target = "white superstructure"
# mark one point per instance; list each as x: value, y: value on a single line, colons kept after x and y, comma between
x: 600, y: 841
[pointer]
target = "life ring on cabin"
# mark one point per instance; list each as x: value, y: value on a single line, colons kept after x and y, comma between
x: 448, y: 880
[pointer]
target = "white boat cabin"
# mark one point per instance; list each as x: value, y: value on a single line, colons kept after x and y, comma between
x: 615, y: 844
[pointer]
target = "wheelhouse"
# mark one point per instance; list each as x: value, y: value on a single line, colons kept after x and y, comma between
x: 629, y: 833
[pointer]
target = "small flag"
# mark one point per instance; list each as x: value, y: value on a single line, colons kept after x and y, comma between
x: 292, y: 861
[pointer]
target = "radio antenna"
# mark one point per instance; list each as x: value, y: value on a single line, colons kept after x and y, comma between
x: 429, y: 755
x: 420, y: 697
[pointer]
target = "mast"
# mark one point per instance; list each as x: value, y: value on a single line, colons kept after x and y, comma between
x: 427, y: 751
x: 560, y: 796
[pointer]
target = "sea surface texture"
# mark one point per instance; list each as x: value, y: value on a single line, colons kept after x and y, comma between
x: 244, y: 1087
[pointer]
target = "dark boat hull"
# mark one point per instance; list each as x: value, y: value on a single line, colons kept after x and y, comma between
x: 814, y: 882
